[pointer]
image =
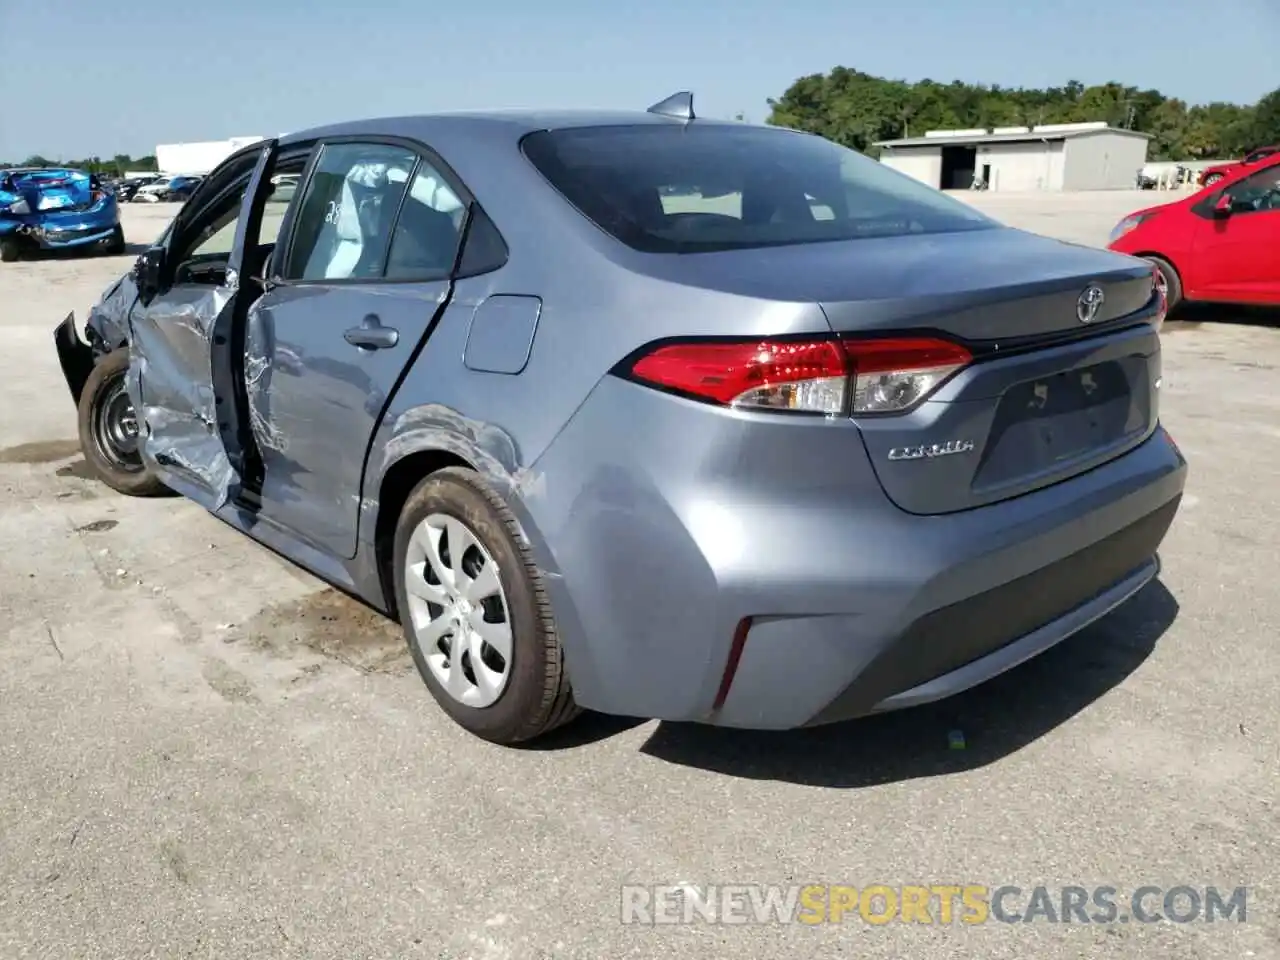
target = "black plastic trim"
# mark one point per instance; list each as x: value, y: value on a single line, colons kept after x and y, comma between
x: 74, y: 356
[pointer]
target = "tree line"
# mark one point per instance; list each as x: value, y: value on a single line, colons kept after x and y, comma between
x: 117, y: 166
x: 857, y: 109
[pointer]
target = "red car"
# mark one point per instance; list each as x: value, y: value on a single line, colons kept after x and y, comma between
x: 1221, y: 244
x: 1211, y: 175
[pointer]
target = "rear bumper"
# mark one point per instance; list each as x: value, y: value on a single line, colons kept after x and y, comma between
x: 64, y: 240
x: 656, y: 550
x: 61, y: 235
x: 928, y: 648
x: 966, y: 643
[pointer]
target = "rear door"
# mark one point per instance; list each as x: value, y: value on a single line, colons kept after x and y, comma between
x: 179, y: 378
x: 1235, y: 255
x: 366, y: 272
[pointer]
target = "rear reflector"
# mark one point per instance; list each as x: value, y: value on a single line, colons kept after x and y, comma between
x: 731, y: 664
x: 822, y: 376
x: 1160, y: 289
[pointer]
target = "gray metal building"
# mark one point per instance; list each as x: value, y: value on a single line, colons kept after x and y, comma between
x: 1061, y: 156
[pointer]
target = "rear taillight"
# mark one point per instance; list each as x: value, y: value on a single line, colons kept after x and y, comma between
x: 894, y: 375
x: 821, y: 376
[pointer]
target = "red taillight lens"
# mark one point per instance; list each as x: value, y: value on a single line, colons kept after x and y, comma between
x: 822, y: 376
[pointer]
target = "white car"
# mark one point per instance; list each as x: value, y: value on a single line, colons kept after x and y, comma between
x: 160, y: 190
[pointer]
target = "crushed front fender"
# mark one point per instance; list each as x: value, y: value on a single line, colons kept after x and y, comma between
x: 74, y: 355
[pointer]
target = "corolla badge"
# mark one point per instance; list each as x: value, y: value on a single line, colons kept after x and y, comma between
x: 930, y: 450
x: 1090, y: 303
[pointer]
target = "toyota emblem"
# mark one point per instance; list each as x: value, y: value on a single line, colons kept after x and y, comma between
x: 1090, y: 303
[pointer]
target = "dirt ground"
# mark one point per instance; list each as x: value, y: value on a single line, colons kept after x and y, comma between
x: 204, y: 752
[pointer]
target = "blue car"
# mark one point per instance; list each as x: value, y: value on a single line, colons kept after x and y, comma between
x: 56, y: 209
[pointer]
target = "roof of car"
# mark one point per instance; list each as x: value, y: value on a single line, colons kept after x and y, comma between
x: 504, y: 124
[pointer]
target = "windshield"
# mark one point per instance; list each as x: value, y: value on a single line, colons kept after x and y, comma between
x: 699, y: 188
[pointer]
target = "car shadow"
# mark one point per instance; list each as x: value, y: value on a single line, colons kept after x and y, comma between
x: 1191, y: 316
x: 995, y: 719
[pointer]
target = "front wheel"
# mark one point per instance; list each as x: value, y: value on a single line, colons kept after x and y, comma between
x: 1167, y: 279
x: 115, y: 246
x: 475, y: 614
x: 109, y: 430
x: 10, y: 250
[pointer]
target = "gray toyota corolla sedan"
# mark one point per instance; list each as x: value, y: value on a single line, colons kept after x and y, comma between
x: 644, y: 413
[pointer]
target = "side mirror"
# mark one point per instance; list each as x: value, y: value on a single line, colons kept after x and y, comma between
x: 1223, y: 206
x: 147, y: 273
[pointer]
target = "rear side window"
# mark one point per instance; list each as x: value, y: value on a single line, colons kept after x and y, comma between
x: 688, y: 188
x: 424, y: 244
x: 346, y: 215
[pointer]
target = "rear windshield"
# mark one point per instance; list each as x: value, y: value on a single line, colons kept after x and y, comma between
x: 691, y: 188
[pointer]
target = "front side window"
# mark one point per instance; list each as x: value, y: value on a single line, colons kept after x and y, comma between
x: 345, y: 220
x: 1257, y: 193
x: 688, y: 188
x: 219, y: 231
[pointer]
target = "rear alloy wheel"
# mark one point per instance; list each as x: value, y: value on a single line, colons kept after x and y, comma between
x: 109, y: 430
x: 475, y: 615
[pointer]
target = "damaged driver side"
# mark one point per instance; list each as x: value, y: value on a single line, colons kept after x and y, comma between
x: 194, y: 290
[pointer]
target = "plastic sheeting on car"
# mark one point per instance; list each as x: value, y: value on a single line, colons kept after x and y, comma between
x: 171, y: 385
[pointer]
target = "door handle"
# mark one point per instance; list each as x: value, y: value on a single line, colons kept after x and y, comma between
x: 372, y: 335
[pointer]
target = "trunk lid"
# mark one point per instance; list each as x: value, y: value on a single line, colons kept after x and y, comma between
x: 1019, y: 421
x: 993, y: 284
x: 1057, y: 386
x: 51, y: 191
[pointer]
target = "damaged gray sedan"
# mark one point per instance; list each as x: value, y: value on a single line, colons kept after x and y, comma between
x: 643, y: 413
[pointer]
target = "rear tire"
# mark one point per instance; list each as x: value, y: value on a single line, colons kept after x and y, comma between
x: 106, y: 419
x: 520, y: 695
x: 115, y: 246
x: 1173, y: 283
x: 10, y: 250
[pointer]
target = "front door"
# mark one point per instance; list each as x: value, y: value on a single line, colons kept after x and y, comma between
x: 1236, y: 256
x: 365, y: 274
x: 176, y: 382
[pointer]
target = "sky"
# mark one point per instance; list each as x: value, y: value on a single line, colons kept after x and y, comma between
x: 85, y: 78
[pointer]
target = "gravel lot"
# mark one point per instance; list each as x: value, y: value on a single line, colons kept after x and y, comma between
x: 206, y: 753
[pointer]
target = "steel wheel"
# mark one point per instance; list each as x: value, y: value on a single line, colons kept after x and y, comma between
x: 459, y: 617
x: 115, y: 428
